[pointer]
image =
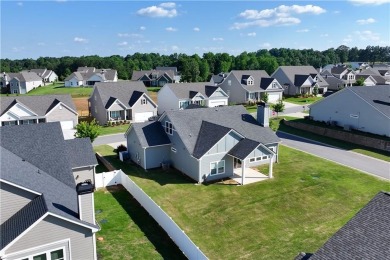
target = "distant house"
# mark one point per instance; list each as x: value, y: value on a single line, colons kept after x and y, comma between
x: 244, y: 86
x: 24, y: 110
x: 88, y: 76
x: 300, y: 80
x: 365, y: 236
x: 181, y: 95
x: 122, y: 100
x: 47, y: 76
x: 20, y: 83
x: 345, y: 74
x: 43, y: 213
x: 205, y: 144
x: 365, y: 109
x: 158, y: 77
x: 374, y: 76
x: 334, y: 83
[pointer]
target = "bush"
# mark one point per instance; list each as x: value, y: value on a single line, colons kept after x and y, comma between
x: 120, y: 148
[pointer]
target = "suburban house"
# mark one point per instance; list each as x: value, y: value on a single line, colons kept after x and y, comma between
x: 365, y: 236
x: 344, y: 73
x: 158, y: 77
x: 43, y: 213
x: 181, y: 95
x: 361, y: 108
x: 47, y: 76
x: 334, y: 83
x: 372, y: 77
x: 300, y: 80
x: 88, y: 76
x: 20, y: 83
x: 24, y: 110
x: 82, y: 159
x: 368, y: 80
x: 205, y: 144
x: 243, y: 86
x: 122, y: 100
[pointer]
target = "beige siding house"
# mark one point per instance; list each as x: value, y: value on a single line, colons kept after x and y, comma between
x: 123, y: 100
x: 44, y: 214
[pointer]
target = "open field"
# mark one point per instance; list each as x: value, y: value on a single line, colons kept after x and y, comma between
x: 307, y: 201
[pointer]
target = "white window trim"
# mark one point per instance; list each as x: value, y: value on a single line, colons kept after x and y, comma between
x: 173, y: 149
x: 166, y: 127
x: 217, y: 164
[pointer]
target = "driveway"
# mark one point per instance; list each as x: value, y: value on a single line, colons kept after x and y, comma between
x: 116, y: 139
x: 353, y: 160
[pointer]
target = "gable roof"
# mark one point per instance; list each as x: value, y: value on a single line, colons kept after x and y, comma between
x: 243, y: 148
x: 121, y: 90
x: 40, y: 105
x: 138, y: 74
x: 300, y: 79
x: 150, y: 133
x: 257, y: 75
x: 365, y: 236
x: 80, y: 152
x: 338, y: 69
x: 23, y: 76
x: 188, y: 124
x: 291, y: 71
x: 189, y: 90
x: 85, y: 73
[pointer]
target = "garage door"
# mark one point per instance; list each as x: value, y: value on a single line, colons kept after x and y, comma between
x: 67, y: 124
x: 273, y: 97
x: 217, y: 103
x: 142, y: 117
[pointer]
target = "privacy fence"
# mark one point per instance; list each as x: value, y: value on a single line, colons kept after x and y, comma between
x: 178, y: 236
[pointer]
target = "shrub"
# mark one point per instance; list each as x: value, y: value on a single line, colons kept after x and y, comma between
x: 120, y: 148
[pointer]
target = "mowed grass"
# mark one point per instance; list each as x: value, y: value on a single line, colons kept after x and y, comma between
x: 109, y: 130
x: 302, y: 100
x: 58, y: 88
x: 305, y: 203
x: 127, y: 230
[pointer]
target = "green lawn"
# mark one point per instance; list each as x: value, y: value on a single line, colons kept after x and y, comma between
x: 127, y: 230
x: 108, y: 130
x: 154, y: 89
x: 58, y: 88
x: 382, y: 155
x: 307, y: 201
x: 301, y: 100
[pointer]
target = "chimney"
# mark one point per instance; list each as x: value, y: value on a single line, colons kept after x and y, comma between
x: 263, y: 114
x: 86, y: 201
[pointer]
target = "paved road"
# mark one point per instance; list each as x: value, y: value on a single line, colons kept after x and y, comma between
x: 354, y: 160
x: 108, y: 139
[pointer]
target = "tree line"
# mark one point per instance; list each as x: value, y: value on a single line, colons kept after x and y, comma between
x: 195, y: 68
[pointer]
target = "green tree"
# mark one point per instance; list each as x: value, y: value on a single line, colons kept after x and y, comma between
x: 264, y: 97
x: 278, y: 107
x: 85, y: 129
x: 315, y: 91
x: 359, y: 82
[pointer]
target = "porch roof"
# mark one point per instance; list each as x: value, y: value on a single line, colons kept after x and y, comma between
x: 243, y: 148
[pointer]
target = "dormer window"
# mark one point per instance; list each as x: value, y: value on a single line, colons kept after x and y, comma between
x: 144, y: 101
x: 168, y: 128
x: 249, y: 82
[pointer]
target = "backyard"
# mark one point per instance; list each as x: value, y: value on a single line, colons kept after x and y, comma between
x: 307, y: 201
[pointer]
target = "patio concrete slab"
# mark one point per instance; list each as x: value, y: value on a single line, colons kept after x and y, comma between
x: 251, y: 176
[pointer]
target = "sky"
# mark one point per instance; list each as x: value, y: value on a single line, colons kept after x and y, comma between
x: 33, y: 29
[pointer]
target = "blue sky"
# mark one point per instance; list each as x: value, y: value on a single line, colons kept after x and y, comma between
x: 32, y: 29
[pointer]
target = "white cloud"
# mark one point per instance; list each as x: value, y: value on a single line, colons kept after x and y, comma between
x: 302, y: 31
x: 142, y: 28
x: 168, y: 5
x: 369, y: 2
x: 20, y: 4
x: 348, y: 39
x: 324, y: 35
x: 368, y: 36
x: 196, y: 29
x: 217, y: 39
x: 365, y: 21
x: 158, y: 11
x: 282, y: 11
x: 122, y: 43
x: 171, y: 29
x: 174, y: 48
x: 251, y: 34
x: 130, y: 35
x: 266, y: 45
x: 336, y: 12
x: 267, y: 23
x: 79, y: 39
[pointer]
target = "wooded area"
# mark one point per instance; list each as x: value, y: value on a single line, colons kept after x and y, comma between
x: 196, y: 69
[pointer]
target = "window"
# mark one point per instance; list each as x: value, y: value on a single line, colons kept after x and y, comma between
x: 252, y: 159
x: 41, y: 120
x: 71, y: 83
x: 274, y: 85
x: 28, y: 122
x: 143, y: 101
x: 173, y: 149
x: 272, y: 148
x: 250, y: 82
x: 183, y: 104
x: 15, y: 91
x: 49, y: 255
x: 217, y: 167
x: 168, y: 127
x: 115, y: 114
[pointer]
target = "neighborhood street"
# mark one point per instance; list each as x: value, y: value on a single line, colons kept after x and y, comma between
x: 110, y: 139
x: 354, y: 160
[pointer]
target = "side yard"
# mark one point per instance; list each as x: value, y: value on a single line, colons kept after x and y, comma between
x: 306, y: 202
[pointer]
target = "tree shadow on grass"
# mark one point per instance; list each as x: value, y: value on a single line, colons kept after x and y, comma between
x: 156, y: 234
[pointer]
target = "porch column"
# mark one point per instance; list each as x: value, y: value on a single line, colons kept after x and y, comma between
x: 125, y: 114
x: 242, y: 171
x: 270, y: 166
x: 108, y: 115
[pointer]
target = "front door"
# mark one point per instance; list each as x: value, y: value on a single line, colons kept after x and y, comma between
x: 237, y: 163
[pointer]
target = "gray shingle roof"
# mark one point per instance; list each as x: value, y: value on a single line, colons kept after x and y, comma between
x: 257, y: 75
x: 137, y: 74
x: 365, y: 236
x: 338, y: 69
x: 291, y: 71
x: 209, y: 134
x: 377, y: 96
x: 188, y: 124
x: 300, y: 79
x: 23, y: 219
x: 243, y: 148
x: 189, y: 90
x: 150, y: 133
x: 38, y: 104
x: 80, y: 152
x: 121, y: 90
x: 84, y: 73
x: 24, y: 76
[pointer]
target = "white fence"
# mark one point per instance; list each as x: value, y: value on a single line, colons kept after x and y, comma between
x: 176, y: 234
